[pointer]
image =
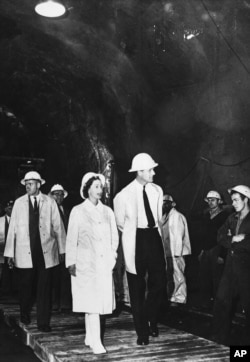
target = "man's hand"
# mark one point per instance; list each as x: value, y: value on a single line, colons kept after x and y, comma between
x: 61, y: 258
x: 72, y: 270
x: 238, y: 238
x: 11, y: 263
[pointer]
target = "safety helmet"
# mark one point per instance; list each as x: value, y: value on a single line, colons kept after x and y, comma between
x: 58, y: 187
x: 169, y: 198
x: 142, y: 161
x: 32, y: 175
x: 214, y: 195
x: 87, y: 177
x: 242, y: 189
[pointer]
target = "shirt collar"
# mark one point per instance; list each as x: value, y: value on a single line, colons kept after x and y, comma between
x: 140, y: 186
x: 38, y: 197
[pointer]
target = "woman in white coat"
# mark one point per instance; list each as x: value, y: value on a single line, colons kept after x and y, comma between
x: 91, y: 246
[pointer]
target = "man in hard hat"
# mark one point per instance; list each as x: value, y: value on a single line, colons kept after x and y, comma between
x: 235, y: 282
x: 211, y: 256
x: 7, y: 276
x: 138, y: 211
x: 34, y: 243
x: 176, y: 241
x: 61, y: 285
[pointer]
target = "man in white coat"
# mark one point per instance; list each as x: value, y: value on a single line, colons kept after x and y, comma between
x: 138, y: 210
x: 34, y: 243
x: 177, y: 244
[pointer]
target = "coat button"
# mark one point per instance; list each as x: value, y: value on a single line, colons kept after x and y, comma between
x: 232, y: 252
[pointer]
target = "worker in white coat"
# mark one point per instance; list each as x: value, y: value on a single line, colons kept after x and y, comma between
x: 91, y: 252
x: 177, y: 245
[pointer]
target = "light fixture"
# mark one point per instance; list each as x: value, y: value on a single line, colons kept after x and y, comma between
x: 50, y: 9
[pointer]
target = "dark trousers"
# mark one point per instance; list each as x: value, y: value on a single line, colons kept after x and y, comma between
x: 61, y: 288
x: 234, y: 286
x: 210, y: 274
x: 150, y: 264
x: 36, y: 283
x: 9, y: 282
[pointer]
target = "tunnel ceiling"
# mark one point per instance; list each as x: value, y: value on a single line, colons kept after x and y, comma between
x: 112, y: 78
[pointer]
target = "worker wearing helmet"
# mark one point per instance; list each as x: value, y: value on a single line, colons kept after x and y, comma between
x: 138, y: 211
x: 235, y: 236
x: 35, y: 243
x: 211, y: 257
x: 61, y: 285
x: 176, y: 241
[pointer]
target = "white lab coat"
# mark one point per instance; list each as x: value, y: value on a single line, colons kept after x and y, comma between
x: 91, y: 244
x: 126, y: 210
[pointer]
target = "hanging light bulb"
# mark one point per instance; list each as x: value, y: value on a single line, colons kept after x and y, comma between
x: 50, y: 9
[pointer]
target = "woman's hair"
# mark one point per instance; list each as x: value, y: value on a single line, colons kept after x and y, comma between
x: 86, y: 187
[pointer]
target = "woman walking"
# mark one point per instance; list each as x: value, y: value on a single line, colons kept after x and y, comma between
x: 91, y: 246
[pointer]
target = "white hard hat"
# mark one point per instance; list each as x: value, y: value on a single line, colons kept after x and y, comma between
x: 58, y: 187
x: 242, y: 189
x: 142, y: 161
x: 214, y: 195
x: 169, y: 198
x: 32, y: 175
x: 87, y: 177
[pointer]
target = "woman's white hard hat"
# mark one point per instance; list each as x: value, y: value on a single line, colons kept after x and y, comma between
x: 87, y: 177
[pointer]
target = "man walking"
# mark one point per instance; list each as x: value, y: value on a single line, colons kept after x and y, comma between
x: 138, y: 210
x: 35, y: 240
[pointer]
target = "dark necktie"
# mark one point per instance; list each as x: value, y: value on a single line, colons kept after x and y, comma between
x: 150, y: 217
x: 62, y: 217
x: 6, y: 229
x: 35, y: 205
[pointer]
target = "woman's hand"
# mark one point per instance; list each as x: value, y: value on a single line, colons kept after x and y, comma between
x: 72, y: 270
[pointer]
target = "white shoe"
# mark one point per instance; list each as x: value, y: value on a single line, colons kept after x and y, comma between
x: 87, y: 342
x: 98, y: 349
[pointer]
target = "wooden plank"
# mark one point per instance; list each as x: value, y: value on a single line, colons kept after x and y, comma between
x: 66, y: 341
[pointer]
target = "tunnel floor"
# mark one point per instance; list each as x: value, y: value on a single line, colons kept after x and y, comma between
x: 66, y: 341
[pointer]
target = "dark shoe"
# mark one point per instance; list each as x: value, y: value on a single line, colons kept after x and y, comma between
x: 153, y: 330
x: 45, y: 329
x: 25, y: 319
x: 142, y: 341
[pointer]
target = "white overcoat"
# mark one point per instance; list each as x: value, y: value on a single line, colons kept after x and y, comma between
x: 2, y: 238
x: 51, y: 233
x: 91, y: 244
x: 175, y: 234
x: 126, y: 210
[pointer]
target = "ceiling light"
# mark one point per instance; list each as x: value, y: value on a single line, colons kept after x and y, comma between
x: 50, y: 9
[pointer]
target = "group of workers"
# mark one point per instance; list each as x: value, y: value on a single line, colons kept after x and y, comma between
x: 155, y: 241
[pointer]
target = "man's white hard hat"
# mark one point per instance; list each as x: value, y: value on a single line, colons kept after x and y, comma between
x: 214, y: 195
x: 242, y: 189
x: 87, y: 177
x: 168, y: 197
x: 142, y: 161
x: 32, y: 175
x: 58, y: 187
